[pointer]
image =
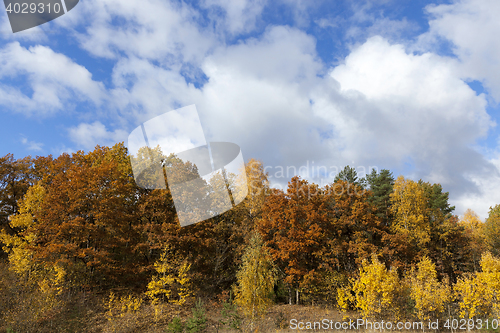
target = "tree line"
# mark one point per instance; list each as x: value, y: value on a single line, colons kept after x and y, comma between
x: 80, y: 223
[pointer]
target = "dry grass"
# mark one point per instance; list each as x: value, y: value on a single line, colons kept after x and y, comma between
x: 89, y: 313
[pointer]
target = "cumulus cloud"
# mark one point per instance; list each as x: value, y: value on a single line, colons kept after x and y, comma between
x: 489, y: 195
x: 52, y: 77
x: 413, y: 106
x: 382, y: 107
x: 89, y: 135
x: 143, y: 90
x: 257, y: 96
x: 150, y: 29
x: 472, y: 26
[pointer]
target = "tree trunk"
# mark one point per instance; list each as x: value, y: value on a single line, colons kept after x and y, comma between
x: 297, y: 296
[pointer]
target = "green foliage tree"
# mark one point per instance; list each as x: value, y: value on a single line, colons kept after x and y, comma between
x: 230, y: 315
x: 350, y: 175
x: 381, y: 186
x: 352, y: 232
x: 175, y: 326
x: 198, y: 320
x: 450, y: 248
x: 437, y: 199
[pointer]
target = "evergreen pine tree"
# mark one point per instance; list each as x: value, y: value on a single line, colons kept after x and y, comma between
x: 381, y: 185
x: 350, y: 175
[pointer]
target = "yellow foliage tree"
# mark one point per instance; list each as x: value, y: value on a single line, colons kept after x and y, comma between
x: 491, y: 230
x: 377, y: 290
x: 409, y: 208
x: 42, y: 282
x: 172, y: 276
x: 430, y: 296
x: 471, y: 220
x: 490, y: 267
x: 17, y: 245
x: 345, y: 299
x: 171, y: 283
x: 256, y: 279
x: 475, y: 230
x: 479, y: 294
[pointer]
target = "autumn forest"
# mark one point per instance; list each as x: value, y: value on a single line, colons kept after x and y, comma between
x: 76, y: 230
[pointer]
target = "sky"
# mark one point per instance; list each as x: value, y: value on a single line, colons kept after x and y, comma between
x: 306, y: 87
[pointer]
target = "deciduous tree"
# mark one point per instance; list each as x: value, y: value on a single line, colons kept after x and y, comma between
x: 409, y: 207
x: 492, y: 229
x: 291, y: 227
x: 377, y: 290
x: 474, y: 230
x: 15, y: 179
x: 430, y: 295
x: 256, y: 279
x: 479, y: 293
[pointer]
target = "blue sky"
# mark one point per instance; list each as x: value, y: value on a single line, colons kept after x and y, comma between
x: 410, y: 86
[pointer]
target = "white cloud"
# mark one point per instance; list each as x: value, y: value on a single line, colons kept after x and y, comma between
x: 472, y: 26
x: 240, y: 15
x: 326, y: 23
x: 394, y: 106
x: 31, y: 145
x: 53, y: 78
x: 143, y: 90
x: 89, y: 135
x: 150, y: 29
x: 489, y: 195
x: 258, y: 96
x: 257, y: 91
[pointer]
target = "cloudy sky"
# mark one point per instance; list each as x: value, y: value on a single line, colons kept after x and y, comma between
x: 407, y: 85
